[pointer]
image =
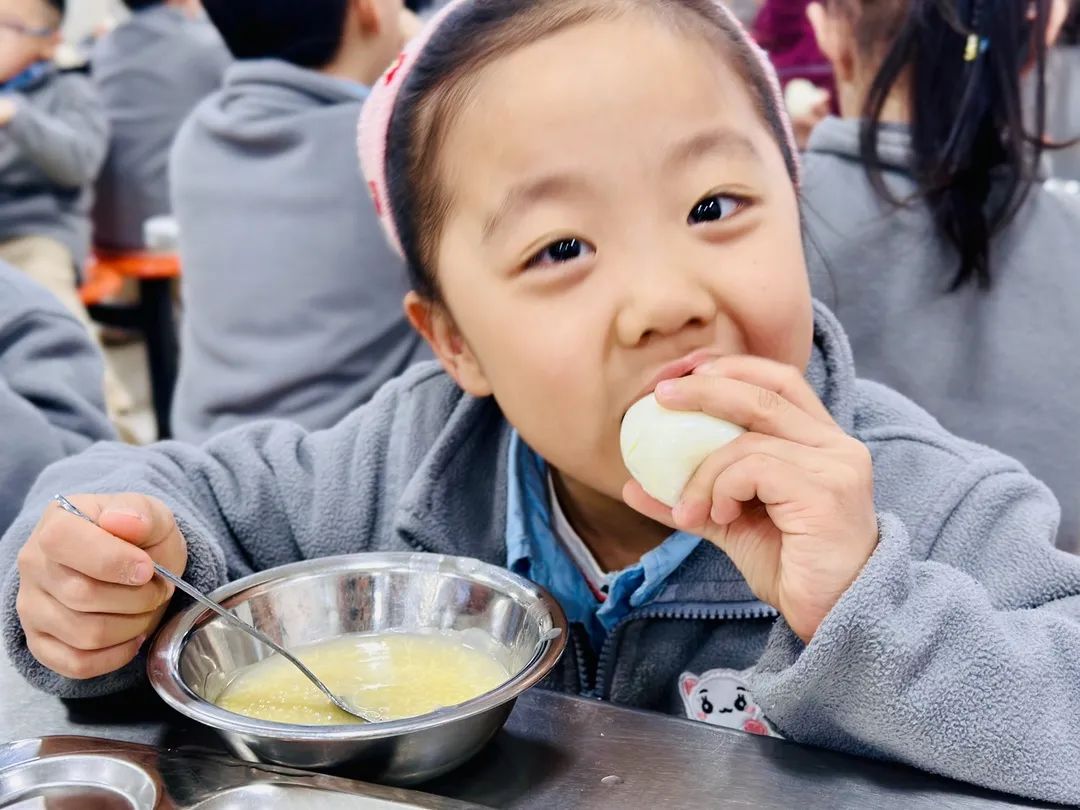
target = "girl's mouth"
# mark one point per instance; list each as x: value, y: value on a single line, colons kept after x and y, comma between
x: 683, y: 367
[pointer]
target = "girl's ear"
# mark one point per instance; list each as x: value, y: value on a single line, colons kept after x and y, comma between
x: 437, y: 327
x: 834, y: 39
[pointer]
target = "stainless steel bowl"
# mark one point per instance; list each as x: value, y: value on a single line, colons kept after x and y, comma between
x: 196, y: 653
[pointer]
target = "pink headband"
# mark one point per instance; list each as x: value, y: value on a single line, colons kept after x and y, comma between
x: 379, y: 107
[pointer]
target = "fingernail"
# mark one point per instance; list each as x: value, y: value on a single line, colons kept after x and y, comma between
x: 683, y: 512
x: 141, y: 573
x: 667, y: 388
x: 120, y: 512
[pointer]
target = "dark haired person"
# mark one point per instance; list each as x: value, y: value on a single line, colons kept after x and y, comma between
x: 292, y: 298
x: 151, y: 71
x: 953, y: 270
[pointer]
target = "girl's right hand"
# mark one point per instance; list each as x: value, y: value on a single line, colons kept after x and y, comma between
x: 88, y: 597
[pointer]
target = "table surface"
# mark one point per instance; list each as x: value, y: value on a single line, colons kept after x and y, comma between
x: 559, y: 751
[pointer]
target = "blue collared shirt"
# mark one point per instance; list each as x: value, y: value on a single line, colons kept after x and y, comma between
x: 534, y: 551
x: 27, y: 79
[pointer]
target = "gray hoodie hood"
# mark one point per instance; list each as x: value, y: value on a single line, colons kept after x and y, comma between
x: 293, y: 299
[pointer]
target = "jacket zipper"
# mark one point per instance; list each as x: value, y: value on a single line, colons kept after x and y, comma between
x: 585, y: 678
x: 734, y: 611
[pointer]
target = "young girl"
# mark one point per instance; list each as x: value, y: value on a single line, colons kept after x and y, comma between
x: 948, y: 264
x: 598, y: 199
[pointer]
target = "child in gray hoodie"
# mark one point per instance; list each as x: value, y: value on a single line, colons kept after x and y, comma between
x: 53, y: 139
x: 292, y: 296
x: 583, y: 231
x: 950, y: 266
x: 151, y: 71
x: 51, y: 400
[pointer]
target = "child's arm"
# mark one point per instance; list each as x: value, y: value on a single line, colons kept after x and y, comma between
x: 51, y: 400
x: 956, y: 649
x: 250, y: 499
x: 68, y: 146
x: 966, y: 664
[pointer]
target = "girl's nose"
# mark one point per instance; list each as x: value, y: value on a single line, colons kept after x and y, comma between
x: 662, y: 301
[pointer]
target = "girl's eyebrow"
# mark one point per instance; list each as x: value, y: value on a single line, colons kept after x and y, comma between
x: 531, y: 191
x: 726, y: 141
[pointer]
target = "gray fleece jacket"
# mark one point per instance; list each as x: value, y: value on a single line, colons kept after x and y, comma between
x: 151, y: 71
x: 51, y: 399
x: 956, y: 650
x: 292, y: 296
x: 50, y: 155
x: 996, y: 366
x: 1063, y: 110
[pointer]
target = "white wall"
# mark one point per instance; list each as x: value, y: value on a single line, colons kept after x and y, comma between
x: 84, y: 15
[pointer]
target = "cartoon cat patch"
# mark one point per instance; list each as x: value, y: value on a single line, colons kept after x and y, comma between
x: 720, y: 697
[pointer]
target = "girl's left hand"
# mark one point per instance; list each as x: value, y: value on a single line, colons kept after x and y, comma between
x: 791, y: 501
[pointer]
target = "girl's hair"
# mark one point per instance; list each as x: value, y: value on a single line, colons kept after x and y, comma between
x: 475, y: 34
x: 962, y: 62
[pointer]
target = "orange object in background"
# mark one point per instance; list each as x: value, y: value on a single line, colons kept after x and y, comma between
x: 139, y: 264
x: 100, y: 285
x: 152, y: 315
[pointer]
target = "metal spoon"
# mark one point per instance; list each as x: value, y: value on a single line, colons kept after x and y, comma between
x: 194, y: 593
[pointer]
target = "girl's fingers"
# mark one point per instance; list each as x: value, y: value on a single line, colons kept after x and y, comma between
x: 90, y: 550
x: 767, y: 479
x: 696, y: 504
x: 785, y: 380
x: 86, y: 632
x: 699, y: 503
x: 79, y: 664
x: 759, y: 410
x: 79, y: 592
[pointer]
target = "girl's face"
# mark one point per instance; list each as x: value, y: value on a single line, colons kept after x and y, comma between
x: 619, y: 214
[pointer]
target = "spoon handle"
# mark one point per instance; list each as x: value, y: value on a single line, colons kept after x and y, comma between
x: 250, y: 629
x: 226, y: 614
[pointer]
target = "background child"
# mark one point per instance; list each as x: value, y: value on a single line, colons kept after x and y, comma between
x: 965, y: 297
x: 292, y: 299
x: 582, y: 230
x: 53, y: 137
x: 151, y: 71
x: 51, y: 401
x: 783, y: 30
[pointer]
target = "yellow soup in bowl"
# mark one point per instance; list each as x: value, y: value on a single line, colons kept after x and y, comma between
x: 394, y: 675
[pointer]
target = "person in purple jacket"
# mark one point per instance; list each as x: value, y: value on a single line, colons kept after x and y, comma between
x: 784, y: 31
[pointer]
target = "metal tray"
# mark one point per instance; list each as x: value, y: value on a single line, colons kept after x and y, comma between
x: 86, y: 773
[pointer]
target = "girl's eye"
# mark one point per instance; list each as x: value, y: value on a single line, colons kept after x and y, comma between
x: 560, y: 252
x: 715, y: 208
